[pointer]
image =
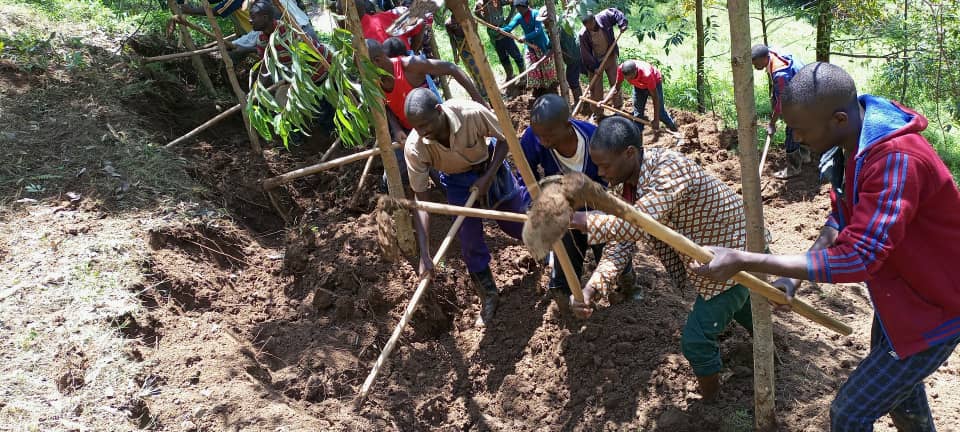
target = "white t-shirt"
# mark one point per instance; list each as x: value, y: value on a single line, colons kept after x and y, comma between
x: 577, y: 163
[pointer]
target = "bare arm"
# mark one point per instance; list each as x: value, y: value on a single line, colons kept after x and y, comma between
x: 421, y: 224
x: 438, y: 68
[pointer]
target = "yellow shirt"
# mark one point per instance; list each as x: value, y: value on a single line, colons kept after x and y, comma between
x: 470, y: 125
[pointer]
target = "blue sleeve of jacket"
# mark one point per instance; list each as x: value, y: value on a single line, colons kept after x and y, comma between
x: 537, y: 29
x: 531, y: 150
x: 514, y: 22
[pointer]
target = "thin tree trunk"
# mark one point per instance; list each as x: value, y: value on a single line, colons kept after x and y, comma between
x: 824, y: 29
x: 906, y: 63
x: 763, y: 349
x: 763, y: 21
x: 405, y: 236
x: 232, y: 76
x: 553, y: 27
x: 188, y: 42
x: 701, y: 85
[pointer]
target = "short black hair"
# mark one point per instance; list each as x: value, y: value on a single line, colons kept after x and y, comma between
x: 420, y: 101
x: 759, y: 51
x: 374, y: 48
x: 394, y: 47
x: 589, y: 16
x: 616, y: 134
x: 549, y: 109
x: 263, y: 7
x: 628, y: 68
x: 823, y: 85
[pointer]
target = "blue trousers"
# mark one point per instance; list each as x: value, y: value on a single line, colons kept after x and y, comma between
x: 507, y: 49
x: 640, y: 102
x: 572, y: 73
x: 882, y: 384
x: 505, y: 194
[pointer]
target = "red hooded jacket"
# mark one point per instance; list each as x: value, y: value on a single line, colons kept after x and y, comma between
x: 899, y: 221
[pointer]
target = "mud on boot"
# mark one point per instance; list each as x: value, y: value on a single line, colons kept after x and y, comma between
x: 486, y: 289
x: 709, y: 387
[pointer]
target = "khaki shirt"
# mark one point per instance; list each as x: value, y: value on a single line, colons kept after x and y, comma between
x: 681, y: 195
x: 470, y: 125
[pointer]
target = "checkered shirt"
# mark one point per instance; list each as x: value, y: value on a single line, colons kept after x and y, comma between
x: 683, y: 196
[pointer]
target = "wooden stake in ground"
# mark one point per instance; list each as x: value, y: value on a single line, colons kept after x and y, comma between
x: 228, y: 63
x: 550, y: 218
x: 282, y: 179
x: 412, y: 306
x: 184, y: 22
x: 553, y: 29
x: 453, y: 210
x: 193, y: 54
x: 599, y: 73
x: 462, y: 14
x: 763, y: 349
x: 188, y: 42
x: 363, y: 179
x: 391, y: 166
x: 216, y: 119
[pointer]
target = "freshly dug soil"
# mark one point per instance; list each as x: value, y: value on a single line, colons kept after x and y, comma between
x: 261, y: 326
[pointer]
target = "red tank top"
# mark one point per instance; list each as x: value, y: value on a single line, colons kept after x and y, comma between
x: 397, y: 96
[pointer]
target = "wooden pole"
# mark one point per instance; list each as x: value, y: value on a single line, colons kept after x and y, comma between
x: 507, y: 34
x: 188, y: 42
x: 183, y: 21
x: 282, y: 179
x: 193, y: 54
x: 391, y: 166
x: 452, y: 210
x: 587, y: 191
x: 326, y: 154
x: 241, y: 96
x: 627, y: 115
x: 763, y: 348
x: 412, y: 306
x: 444, y: 82
x: 523, y: 74
x: 599, y: 73
x: 553, y: 28
x: 216, y: 119
x: 363, y: 179
x: 763, y: 158
x: 226, y: 38
x: 466, y: 20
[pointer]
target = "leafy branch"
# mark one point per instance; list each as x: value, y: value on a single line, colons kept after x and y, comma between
x: 304, y: 97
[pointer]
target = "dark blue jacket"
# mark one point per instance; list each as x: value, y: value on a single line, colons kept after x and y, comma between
x: 538, y: 155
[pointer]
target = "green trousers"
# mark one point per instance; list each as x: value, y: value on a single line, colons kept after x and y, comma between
x: 707, y: 320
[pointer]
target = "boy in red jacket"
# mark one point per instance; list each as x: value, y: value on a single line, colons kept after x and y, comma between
x: 894, y: 225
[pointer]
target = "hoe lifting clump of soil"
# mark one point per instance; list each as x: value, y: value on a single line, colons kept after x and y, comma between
x: 549, y: 218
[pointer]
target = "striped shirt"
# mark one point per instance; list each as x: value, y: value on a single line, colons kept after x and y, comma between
x: 681, y: 195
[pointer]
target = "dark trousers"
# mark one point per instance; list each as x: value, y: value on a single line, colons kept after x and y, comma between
x: 640, y: 102
x: 572, y: 73
x: 789, y: 143
x: 882, y: 384
x: 575, y: 243
x: 506, y: 50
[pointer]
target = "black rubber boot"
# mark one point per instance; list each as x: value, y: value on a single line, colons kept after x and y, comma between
x: 486, y: 289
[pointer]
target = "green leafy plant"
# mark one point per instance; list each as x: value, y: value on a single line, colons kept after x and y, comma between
x: 353, y: 102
